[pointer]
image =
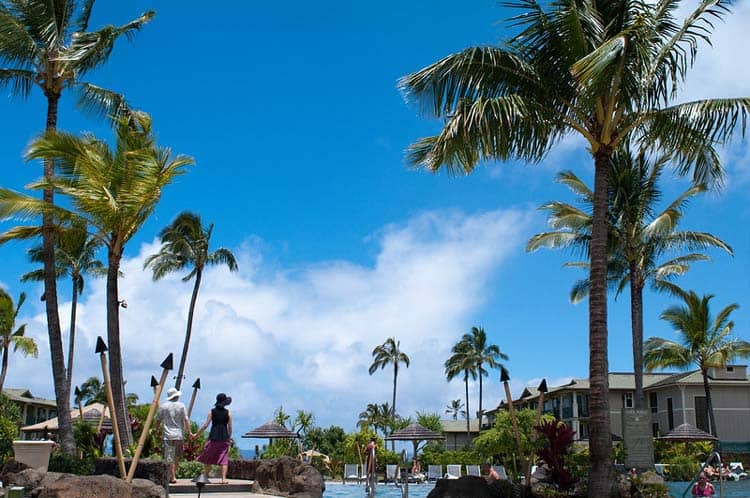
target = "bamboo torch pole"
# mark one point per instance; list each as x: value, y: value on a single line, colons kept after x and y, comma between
x: 101, y: 349
x: 196, y: 386
x: 166, y: 366
x: 542, y: 389
x: 504, y: 378
x: 154, y: 383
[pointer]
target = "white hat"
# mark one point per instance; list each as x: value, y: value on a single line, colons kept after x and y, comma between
x: 173, y: 394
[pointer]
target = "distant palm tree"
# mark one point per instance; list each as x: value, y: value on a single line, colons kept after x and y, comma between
x: 281, y: 417
x: 639, y: 236
x: 185, y: 245
x: 10, y: 335
x: 461, y: 362
x: 376, y: 416
x: 389, y: 353
x: 482, y: 354
x: 47, y: 45
x: 455, y: 408
x: 303, y: 422
x: 704, y: 341
x: 93, y: 391
x: 75, y: 256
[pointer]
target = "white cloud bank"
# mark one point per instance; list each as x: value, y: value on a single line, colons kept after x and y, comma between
x: 303, y: 338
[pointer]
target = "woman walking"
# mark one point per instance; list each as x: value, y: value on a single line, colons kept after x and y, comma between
x: 216, y: 451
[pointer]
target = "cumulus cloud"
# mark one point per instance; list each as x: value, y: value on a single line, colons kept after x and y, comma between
x: 303, y: 337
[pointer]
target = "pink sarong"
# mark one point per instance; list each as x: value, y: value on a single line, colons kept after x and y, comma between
x: 215, y: 453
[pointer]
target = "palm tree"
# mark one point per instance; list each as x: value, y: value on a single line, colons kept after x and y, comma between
x: 185, y: 245
x: 704, y: 341
x: 280, y: 416
x: 461, y: 362
x: 482, y: 354
x: 303, y: 422
x: 389, y: 353
x: 92, y: 391
x: 114, y: 191
x: 376, y: 417
x: 639, y: 235
x: 75, y: 256
x: 454, y: 408
x: 606, y: 71
x: 48, y: 45
x: 10, y: 335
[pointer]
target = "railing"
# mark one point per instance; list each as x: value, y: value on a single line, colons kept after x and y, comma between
x: 712, y: 458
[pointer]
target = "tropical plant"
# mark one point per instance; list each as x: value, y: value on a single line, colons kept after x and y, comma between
x: 606, y: 71
x: 389, y: 353
x: 376, y: 417
x: 558, y: 440
x: 454, y: 408
x: 639, y: 235
x: 281, y: 417
x: 499, y: 444
x: 47, y: 45
x: 114, y: 191
x: 303, y: 422
x: 482, y: 354
x: 704, y: 341
x: 461, y: 362
x: 75, y: 256
x: 10, y: 421
x: 185, y: 245
x: 10, y: 335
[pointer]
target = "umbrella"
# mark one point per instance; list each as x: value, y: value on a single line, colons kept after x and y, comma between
x: 271, y: 430
x: 415, y: 433
x: 687, y: 433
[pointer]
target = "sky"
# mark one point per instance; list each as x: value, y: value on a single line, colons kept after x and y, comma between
x: 292, y: 113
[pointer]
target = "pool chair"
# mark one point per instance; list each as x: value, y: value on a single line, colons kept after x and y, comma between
x: 501, y: 472
x: 434, y: 472
x: 452, y: 471
x: 351, y: 473
x: 737, y: 471
x: 391, y: 472
x: 473, y: 470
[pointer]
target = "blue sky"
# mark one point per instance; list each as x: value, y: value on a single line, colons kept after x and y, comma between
x: 298, y: 130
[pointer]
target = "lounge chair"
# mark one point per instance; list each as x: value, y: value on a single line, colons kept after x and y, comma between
x: 391, y: 472
x: 452, y: 471
x: 501, y: 472
x: 434, y: 472
x: 737, y: 471
x: 473, y: 470
x: 351, y: 473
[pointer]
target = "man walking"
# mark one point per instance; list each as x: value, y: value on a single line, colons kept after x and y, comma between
x: 174, y: 419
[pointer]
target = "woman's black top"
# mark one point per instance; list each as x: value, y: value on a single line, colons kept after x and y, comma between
x: 219, y: 421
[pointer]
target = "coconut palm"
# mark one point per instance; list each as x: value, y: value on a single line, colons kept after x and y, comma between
x: 75, y: 256
x: 461, y: 362
x: 454, y: 408
x: 606, y: 71
x: 93, y: 391
x: 376, y: 417
x: 389, y: 353
x: 639, y: 236
x: 703, y: 341
x: 10, y: 335
x: 114, y: 191
x: 185, y: 245
x: 482, y: 354
x: 47, y: 45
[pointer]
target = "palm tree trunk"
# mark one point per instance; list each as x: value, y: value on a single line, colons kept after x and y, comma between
x: 72, y: 338
x: 636, y: 318
x: 113, y: 343
x: 59, y: 377
x: 709, y: 403
x: 189, y: 330
x: 393, y: 405
x: 600, y: 441
x: 479, y: 413
x: 4, y: 367
x: 468, y: 413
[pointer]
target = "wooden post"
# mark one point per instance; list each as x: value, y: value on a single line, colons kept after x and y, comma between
x: 166, y: 366
x: 504, y: 378
x: 196, y: 386
x: 101, y: 349
x: 154, y: 383
x: 542, y: 389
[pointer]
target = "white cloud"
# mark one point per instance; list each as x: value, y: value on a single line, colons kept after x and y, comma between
x: 302, y: 338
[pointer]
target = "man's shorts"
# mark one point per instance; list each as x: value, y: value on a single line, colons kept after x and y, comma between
x: 171, y: 450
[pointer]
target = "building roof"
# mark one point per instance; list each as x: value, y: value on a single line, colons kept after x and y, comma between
x: 694, y: 377
x: 459, y: 425
x: 91, y: 414
x: 25, y: 396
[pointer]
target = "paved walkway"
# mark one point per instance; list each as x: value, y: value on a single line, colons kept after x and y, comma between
x: 235, y: 488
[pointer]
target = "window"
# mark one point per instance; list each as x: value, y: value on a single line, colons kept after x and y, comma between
x: 583, y: 430
x: 670, y: 413
x: 655, y: 429
x: 567, y: 406
x: 653, y: 402
x: 583, y: 405
x: 701, y: 413
x: 730, y: 369
x: 627, y: 400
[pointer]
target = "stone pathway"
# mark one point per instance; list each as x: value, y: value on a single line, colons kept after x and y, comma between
x: 235, y: 488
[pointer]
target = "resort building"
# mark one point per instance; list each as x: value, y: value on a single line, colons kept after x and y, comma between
x: 33, y: 409
x: 673, y: 399
x: 456, y: 437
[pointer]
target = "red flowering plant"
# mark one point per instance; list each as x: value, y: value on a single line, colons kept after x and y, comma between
x: 557, y: 445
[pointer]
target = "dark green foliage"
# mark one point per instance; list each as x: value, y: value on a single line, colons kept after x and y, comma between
x: 10, y: 419
x: 682, y: 468
x: 188, y: 470
x: 60, y: 462
x: 88, y: 440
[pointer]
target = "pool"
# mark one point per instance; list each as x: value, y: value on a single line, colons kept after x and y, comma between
x: 732, y: 489
x: 338, y: 490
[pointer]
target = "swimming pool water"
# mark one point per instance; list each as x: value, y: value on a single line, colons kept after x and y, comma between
x: 338, y: 490
x: 732, y: 489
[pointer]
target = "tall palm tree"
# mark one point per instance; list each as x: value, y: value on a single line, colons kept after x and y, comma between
x: 606, y: 71
x: 92, y: 391
x: 114, y: 190
x: 47, y: 45
x: 10, y: 335
x: 376, y: 416
x: 389, y: 353
x: 703, y: 341
x: 75, y: 256
x: 461, y: 362
x: 639, y: 236
x: 185, y: 245
x: 454, y: 408
x: 482, y: 354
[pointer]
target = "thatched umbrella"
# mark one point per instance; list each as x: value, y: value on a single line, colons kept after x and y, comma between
x: 687, y: 433
x: 415, y: 433
x: 271, y: 430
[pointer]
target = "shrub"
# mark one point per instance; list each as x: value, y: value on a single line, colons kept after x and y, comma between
x: 188, y: 470
x: 10, y: 419
x: 682, y: 468
x: 66, y: 464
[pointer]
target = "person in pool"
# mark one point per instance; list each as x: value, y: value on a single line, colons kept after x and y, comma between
x: 703, y: 487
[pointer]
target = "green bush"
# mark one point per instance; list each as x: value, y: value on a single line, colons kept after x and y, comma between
x: 682, y: 468
x: 66, y: 464
x: 188, y: 470
x: 10, y: 419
